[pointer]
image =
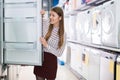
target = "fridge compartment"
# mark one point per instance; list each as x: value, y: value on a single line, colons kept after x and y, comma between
x: 21, y: 5
x: 20, y: 32
x: 20, y: 12
x: 20, y: 19
x: 20, y: 45
x: 23, y: 57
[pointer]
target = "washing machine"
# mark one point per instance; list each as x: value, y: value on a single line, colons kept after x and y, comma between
x: 86, y: 27
x: 68, y: 53
x: 76, y: 51
x: 94, y: 64
x: 85, y: 62
x: 66, y: 25
x: 83, y: 27
x: 96, y: 25
x: 118, y: 68
x: 107, y: 65
x: 79, y: 27
x: 111, y: 24
x: 72, y: 32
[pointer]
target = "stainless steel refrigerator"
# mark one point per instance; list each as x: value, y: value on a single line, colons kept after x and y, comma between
x: 1, y: 50
x: 20, y: 29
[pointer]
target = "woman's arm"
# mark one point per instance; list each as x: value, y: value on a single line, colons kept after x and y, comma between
x: 57, y: 52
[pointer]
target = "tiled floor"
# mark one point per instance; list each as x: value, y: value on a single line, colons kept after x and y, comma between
x: 26, y: 73
x: 65, y: 74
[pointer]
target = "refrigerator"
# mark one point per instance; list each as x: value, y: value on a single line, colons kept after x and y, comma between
x: 20, y: 29
x: 1, y: 24
x: 1, y: 51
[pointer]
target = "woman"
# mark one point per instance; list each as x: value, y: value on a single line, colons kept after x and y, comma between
x: 53, y: 42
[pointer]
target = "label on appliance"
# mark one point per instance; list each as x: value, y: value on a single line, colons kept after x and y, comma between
x: 118, y: 72
x: 86, y: 59
x: 111, y: 66
x: 94, y: 21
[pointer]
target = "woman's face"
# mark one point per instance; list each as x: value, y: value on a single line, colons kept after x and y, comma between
x: 54, y: 18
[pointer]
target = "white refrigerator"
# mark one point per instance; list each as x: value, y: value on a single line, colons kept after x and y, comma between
x: 20, y: 29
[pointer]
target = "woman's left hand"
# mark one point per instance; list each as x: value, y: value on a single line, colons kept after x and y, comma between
x: 43, y: 41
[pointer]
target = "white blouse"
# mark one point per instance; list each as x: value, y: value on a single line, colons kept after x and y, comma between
x: 53, y: 40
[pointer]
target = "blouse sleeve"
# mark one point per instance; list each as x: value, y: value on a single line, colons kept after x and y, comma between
x: 57, y: 52
x: 45, y: 26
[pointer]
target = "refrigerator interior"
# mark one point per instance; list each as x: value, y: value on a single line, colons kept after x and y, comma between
x: 21, y: 31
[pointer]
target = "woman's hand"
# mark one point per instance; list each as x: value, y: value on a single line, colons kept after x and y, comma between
x: 43, y: 41
x: 42, y: 12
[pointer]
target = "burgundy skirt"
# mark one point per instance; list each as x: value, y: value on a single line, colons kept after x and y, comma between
x: 49, y: 67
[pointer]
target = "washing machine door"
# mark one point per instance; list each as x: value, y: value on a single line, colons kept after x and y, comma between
x: 107, y: 21
x: 79, y: 27
x: 72, y: 31
x: 87, y: 27
x: 83, y: 27
x: 96, y: 20
x: 96, y: 26
x: 109, y: 25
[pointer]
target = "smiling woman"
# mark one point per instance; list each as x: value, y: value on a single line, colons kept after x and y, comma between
x: 54, y: 18
x: 53, y: 42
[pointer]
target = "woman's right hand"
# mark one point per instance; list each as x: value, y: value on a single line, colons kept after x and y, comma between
x: 43, y: 41
x: 42, y: 12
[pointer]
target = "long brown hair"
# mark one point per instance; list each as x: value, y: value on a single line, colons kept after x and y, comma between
x: 59, y: 11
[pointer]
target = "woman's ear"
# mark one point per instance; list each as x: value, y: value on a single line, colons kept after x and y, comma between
x: 60, y: 18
